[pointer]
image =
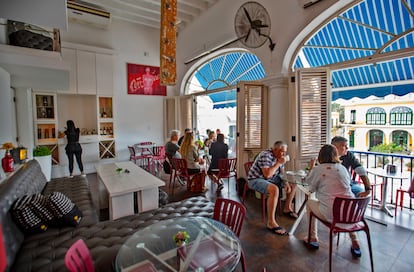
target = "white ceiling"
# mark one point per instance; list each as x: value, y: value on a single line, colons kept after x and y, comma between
x: 147, y: 12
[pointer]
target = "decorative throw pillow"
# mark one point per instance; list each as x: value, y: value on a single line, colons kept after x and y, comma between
x: 64, y: 209
x: 26, y: 217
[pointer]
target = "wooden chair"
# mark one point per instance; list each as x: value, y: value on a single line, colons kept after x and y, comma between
x: 78, y: 258
x: 247, y: 166
x: 350, y: 212
x: 227, y: 169
x: 232, y: 214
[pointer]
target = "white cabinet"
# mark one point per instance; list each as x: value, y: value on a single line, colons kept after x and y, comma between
x: 104, y: 74
x: 69, y: 58
x: 86, y: 72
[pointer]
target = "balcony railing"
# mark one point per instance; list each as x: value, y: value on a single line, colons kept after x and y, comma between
x: 404, y: 165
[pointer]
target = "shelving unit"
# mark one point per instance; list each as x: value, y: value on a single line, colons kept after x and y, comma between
x: 45, y: 122
x: 106, y: 128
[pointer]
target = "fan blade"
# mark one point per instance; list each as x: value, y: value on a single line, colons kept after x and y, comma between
x: 262, y: 26
x: 248, y: 16
x: 247, y: 36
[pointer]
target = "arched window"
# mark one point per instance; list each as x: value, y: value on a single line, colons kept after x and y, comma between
x: 224, y: 70
x: 401, y: 116
x: 376, y: 137
x: 376, y: 116
x: 400, y: 137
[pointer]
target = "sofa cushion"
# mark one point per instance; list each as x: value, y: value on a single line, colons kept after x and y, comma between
x: 31, y: 213
x: 64, y: 209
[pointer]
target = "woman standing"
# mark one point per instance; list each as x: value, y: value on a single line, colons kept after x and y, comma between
x: 189, y: 151
x: 73, y: 147
x: 328, y: 180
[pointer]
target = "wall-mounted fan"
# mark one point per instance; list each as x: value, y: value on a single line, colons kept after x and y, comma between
x: 252, y: 25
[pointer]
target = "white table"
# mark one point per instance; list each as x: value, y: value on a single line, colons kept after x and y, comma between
x: 122, y: 186
x: 385, y: 175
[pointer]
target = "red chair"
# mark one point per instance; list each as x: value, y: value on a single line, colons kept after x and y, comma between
x: 180, y: 171
x: 350, y: 212
x: 144, y: 160
x: 3, y: 257
x: 247, y: 166
x: 78, y: 258
x: 227, y: 169
x: 158, y: 156
x: 232, y: 214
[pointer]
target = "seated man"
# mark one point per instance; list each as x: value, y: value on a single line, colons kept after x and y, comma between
x: 171, y: 147
x: 264, y: 177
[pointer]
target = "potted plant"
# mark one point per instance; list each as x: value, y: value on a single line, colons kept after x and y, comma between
x: 43, y: 155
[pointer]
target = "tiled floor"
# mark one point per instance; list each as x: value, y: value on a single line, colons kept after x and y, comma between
x: 393, y: 245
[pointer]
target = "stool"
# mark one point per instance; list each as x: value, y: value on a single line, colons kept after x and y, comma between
x: 399, y: 194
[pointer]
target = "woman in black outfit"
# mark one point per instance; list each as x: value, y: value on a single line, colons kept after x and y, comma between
x: 218, y: 150
x: 73, y: 147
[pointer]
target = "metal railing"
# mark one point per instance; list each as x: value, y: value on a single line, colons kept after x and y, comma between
x: 404, y: 165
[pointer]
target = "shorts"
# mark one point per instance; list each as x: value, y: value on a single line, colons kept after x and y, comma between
x: 260, y: 184
x: 356, y: 188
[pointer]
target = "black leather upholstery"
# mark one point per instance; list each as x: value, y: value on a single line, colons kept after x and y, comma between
x: 46, y: 251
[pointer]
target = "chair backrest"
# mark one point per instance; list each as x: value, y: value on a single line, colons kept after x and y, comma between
x: 227, y: 166
x: 180, y: 166
x: 78, y: 258
x: 349, y: 210
x: 131, y: 151
x: 230, y: 213
x: 247, y: 166
x: 159, y: 151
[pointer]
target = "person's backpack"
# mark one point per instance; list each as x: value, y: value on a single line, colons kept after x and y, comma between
x: 167, y: 167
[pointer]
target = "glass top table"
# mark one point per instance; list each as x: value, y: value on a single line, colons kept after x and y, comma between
x: 211, y: 246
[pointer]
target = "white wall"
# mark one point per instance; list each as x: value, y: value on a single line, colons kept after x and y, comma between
x: 137, y: 117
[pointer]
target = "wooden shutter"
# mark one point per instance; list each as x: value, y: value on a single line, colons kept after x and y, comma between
x: 313, y: 111
x: 252, y: 121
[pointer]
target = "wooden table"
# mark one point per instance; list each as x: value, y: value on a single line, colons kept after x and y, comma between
x: 123, y: 187
x: 385, y: 175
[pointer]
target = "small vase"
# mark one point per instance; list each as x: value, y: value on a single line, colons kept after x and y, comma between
x: 7, y: 162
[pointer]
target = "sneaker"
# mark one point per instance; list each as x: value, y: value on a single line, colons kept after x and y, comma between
x: 71, y: 176
x: 356, y: 252
x: 84, y: 175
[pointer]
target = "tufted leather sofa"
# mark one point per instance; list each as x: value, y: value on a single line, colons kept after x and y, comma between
x: 46, y: 251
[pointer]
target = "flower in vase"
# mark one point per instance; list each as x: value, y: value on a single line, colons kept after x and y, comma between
x: 181, y: 237
x: 7, y: 146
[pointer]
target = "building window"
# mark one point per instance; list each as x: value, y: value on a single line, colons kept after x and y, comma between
x: 400, y: 137
x: 401, y: 116
x: 376, y: 116
x: 353, y: 117
x: 376, y: 137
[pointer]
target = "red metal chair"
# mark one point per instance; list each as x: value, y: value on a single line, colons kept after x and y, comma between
x: 247, y: 166
x: 144, y: 160
x: 232, y: 214
x: 78, y: 258
x: 3, y: 257
x: 227, y: 169
x: 158, y: 156
x: 350, y: 212
x: 180, y: 171
x: 400, y: 196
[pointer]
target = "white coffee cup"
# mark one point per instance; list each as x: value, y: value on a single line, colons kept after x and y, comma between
x: 287, y: 158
